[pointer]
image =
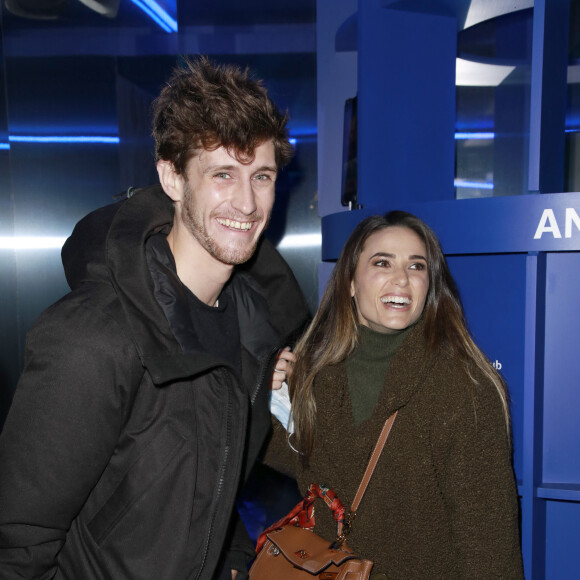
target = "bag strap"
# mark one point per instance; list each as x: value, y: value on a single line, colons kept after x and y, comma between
x: 303, y: 513
x: 344, y: 528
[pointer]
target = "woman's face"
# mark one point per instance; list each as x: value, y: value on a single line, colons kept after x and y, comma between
x: 391, y: 280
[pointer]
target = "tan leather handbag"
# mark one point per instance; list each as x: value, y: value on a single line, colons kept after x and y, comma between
x: 289, y: 549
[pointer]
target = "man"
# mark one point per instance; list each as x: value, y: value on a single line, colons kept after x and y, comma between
x: 130, y: 430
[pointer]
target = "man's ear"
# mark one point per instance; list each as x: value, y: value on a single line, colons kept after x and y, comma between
x: 171, y: 181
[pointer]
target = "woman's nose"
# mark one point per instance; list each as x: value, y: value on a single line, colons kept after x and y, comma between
x: 400, y: 276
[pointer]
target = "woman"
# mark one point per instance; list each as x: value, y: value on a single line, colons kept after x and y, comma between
x: 390, y: 335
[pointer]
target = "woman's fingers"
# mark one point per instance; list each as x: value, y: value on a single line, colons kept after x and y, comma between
x: 283, y: 367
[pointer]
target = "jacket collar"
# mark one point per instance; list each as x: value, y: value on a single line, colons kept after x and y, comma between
x: 405, y: 377
x: 109, y: 246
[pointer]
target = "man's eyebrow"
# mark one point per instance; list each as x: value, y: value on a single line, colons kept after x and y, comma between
x: 211, y: 168
x: 267, y: 168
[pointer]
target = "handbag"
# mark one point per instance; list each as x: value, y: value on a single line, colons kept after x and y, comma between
x: 290, y: 549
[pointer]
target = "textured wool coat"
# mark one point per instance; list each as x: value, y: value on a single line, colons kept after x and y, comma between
x: 442, y: 503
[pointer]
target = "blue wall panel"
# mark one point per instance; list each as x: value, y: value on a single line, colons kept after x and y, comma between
x: 493, y: 293
x: 561, y: 363
x: 562, y: 533
x: 406, y: 108
x: 522, y: 223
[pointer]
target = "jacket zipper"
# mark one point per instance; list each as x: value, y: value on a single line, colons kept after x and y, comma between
x: 262, y: 375
x: 221, y: 479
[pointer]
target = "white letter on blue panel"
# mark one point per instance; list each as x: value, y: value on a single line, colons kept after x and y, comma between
x: 571, y: 216
x: 548, y: 216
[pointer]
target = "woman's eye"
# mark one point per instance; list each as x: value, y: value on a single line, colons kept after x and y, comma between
x: 418, y: 266
x: 381, y: 263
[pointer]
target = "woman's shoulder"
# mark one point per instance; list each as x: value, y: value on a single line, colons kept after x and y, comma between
x: 449, y: 377
x: 457, y: 389
x: 330, y: 377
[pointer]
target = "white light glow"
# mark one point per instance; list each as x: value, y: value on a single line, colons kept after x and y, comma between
x: 301, y: 241
x: 574, y: 74
x: 31, y: 242
x: 477, y: 74
x: 46, y: 242
x: 481, y: 10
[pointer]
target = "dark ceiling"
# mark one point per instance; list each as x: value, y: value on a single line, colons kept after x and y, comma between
x: 276, y: 38
x: 189, y: 12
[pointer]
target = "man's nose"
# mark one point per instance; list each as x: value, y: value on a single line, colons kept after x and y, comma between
x: 244, y: 199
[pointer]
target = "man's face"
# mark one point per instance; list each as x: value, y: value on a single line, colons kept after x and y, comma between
x: 227, y: 204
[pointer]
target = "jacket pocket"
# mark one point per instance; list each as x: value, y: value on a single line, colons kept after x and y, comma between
x: 148, y: 467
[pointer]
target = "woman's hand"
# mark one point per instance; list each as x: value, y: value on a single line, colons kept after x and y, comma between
x: 283, y: 367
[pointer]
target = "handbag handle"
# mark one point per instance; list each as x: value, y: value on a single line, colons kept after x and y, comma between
x: 344, y: 527
x: 302, y: 515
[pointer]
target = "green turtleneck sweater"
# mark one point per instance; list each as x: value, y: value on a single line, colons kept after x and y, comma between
x: 367, y: 367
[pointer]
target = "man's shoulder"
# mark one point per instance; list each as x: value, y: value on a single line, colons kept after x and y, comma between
x: 271, y: 277
x: 90, y: 312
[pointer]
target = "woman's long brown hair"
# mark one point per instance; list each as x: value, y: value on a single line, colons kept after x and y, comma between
x: 333, y: 333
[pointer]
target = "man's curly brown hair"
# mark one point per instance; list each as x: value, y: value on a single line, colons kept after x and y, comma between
x: 205, y: 106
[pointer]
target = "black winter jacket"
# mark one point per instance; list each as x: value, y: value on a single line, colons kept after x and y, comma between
x: 126, y: 444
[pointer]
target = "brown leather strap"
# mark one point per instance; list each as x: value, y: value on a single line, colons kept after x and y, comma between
x: 369, y: 471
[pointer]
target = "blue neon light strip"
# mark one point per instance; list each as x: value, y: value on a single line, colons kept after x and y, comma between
x: 63, y: 139
x: 156, y: 13
x: 474, y: 135
x: 491, y: 135
x: 473, y: 184
x: 113, y: 140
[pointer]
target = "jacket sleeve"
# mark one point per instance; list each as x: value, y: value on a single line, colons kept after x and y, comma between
x: 241, y: 548
x: 278, y: 454
x: 478, y: 484
x: 60, y: 433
